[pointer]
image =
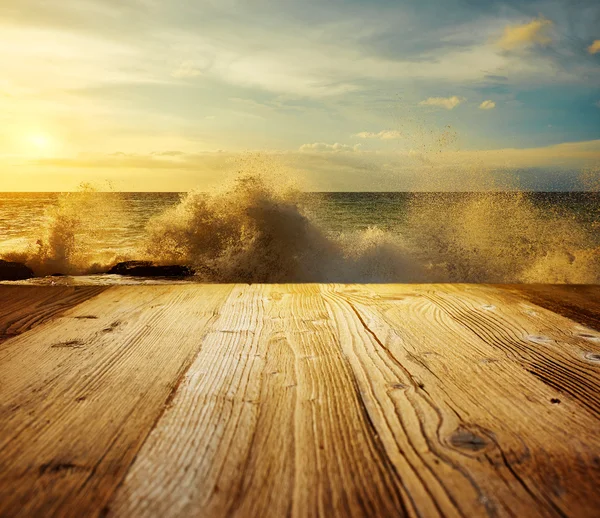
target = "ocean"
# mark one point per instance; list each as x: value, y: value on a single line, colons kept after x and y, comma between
x: 254, y: 233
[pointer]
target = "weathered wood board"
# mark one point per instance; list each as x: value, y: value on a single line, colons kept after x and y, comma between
x: 22, y: 308
x: 300, y: 400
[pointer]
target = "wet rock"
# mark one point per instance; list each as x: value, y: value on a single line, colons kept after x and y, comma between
x: 10, y: 271
x: 149, y: 269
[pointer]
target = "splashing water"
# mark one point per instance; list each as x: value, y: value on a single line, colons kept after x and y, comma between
x: 70, y: 233
x: 256, y: 231
x: 503, y: 238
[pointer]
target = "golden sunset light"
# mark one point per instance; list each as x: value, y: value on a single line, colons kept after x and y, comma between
x: 299, y: 258
x: 39, y: 142
x: 193, y: 80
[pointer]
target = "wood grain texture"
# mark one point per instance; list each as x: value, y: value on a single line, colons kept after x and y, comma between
x: 557, y: 350
x: 578, y: 302
x: 24, y: 307
x: 266, y: 423
x: 78, y: 395
x: 484, y: 436
x: 302, y: 400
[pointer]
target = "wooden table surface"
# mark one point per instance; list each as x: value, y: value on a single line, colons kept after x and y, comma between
x: 300, y: 400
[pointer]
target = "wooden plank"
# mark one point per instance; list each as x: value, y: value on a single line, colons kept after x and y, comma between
x: 443, y: 372
x: 267, y: 422
x: 575, y: 301
x: 24, y: 307
x: 303, y: 400
x: 555, y: 349
x: 79, y: 395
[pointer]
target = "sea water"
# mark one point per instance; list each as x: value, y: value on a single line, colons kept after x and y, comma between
x: 253, y: 232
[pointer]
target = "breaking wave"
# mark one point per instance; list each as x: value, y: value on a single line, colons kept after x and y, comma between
x: 68, y: 237
x: 254, y: 231
x: 505, y: 238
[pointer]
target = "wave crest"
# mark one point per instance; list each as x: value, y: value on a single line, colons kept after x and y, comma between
x: 255, y: 233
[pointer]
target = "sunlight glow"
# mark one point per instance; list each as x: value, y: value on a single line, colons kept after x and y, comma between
x: 40, y: 142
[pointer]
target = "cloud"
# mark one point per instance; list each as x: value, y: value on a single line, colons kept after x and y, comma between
x: 163, y: 153
x: 594, y: 48
x: 568, y: 155
x: 180, y: 43
x: 185, y: 70
x: 108, y: 83
x: 526, y: 34
x: 443, y: 102
x: 329, y: 166
x: 382, y: 135
x: 320, y: 147
x: 487, y: 105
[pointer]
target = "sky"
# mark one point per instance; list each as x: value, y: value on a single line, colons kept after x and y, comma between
x: 344, y: 95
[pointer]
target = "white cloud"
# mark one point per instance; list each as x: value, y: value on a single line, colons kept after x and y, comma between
x: 232, y: 60
x: 526, y: 34
x: 443, y: 102
x: 382, y: 135
x: 594, y: 48
x: 487, y: 105
x: 277, y: 61
x: 320, y: 147
x: 281, y: 63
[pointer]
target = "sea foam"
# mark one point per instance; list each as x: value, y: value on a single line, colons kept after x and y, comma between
x: 255, y: 229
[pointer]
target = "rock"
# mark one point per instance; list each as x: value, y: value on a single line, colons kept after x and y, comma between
x: 149, y: 269
x: 10, y: 271
x: 124, y: 267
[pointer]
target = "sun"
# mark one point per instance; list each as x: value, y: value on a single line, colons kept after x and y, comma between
x: 40, y: 142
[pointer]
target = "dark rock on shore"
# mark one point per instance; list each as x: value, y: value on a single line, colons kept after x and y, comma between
x: 10, y: 271
x: 149, y: 269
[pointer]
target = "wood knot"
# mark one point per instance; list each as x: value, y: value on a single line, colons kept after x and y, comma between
x: 467, y: 440
x: 488, y: 307
x: 593, y: 357
x: 555, y: 401
x: 397, y: 386
x: 111, y: 327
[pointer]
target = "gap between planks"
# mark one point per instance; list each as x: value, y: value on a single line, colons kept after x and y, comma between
x: 79, y: 395
x: 375, y: 401
x: 302, y: 400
